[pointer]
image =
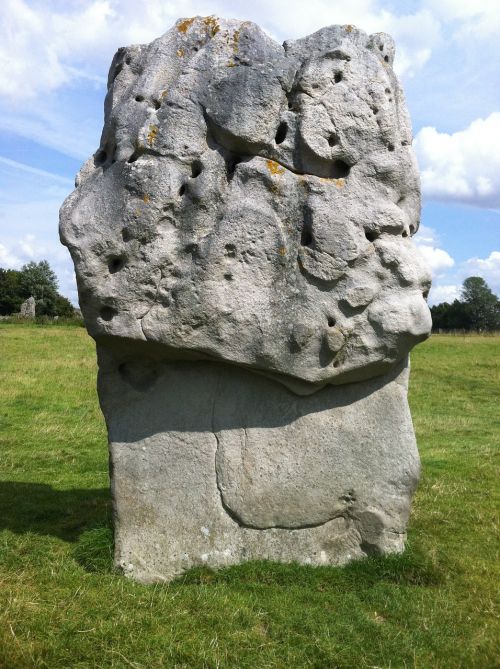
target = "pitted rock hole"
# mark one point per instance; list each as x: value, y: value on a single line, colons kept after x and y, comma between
x: 115, y: 264
x: 107, y: 313
x: 281, y: 132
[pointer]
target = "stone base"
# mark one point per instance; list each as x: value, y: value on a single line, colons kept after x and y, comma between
x: 215, y: 465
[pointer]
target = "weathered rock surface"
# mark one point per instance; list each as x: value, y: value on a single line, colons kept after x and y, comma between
x: 28, y: 308
x: 250, y: 209
x: 214, y: 465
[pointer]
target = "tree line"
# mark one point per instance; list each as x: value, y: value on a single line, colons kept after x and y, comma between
x: 36, y: 280
x: 478, y: 309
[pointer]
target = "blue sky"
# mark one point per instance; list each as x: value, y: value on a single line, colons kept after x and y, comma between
x: 54, y: 57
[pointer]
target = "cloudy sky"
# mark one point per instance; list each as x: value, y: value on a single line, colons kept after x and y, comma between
x: 54, y: 57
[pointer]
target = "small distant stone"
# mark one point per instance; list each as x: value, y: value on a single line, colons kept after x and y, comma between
x: 28, y: 308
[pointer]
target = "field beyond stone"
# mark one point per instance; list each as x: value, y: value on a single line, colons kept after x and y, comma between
x: 62, y: 607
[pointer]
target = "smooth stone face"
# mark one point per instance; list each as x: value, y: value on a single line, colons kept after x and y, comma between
x: 242, y: 246
x: 246, y: 196
x: 215, y: 465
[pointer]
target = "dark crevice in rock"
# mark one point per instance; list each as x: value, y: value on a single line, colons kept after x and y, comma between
x: 306, y: 235
x: 196, y: 169
x: 308, y: 163
x: 232, y: 161
x: 142, y: 151
x: 281, y: 132
x: 100, y: 158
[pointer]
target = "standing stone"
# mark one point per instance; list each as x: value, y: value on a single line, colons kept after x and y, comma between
x: 28, y: 308
x: 242, y: 245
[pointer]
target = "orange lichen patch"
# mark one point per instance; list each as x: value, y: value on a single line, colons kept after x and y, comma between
x: 184, y: 26
x: 153, y: 131
x: 340, y: 183
x: 274, y: 167
x: 145, y: 198
x: 212, y: 25
x: 282, y: 251
x: 180, y: 52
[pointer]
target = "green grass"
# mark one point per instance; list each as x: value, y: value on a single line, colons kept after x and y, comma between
x: 62, y: 607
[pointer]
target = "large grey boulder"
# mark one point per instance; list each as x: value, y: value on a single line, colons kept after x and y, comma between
x: 242, y: 245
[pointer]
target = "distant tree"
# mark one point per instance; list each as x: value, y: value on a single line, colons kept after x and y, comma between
x: 37, y: 280
x: 63, y: 307
x: 479, y: 309
x: 482, y: 304
x: 11, y: 296
x: 454, y: 316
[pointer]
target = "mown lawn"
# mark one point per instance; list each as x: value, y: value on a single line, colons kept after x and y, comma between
x: 62, y: 607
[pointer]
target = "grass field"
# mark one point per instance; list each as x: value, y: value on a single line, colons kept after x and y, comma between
x: 62, y: 607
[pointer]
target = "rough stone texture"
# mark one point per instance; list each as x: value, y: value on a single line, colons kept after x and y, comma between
x: 242, y: 245
x: 28, y: 308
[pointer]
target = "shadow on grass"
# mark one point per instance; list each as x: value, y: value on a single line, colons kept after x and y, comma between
x: 83, y: 517
x: 41, y: 509
x: 408, y: 569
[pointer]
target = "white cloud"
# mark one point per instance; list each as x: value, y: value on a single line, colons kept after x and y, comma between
x: 29, y: 203
x: 436, y: 258
x: 481, y: 16
x: 8, y: 260
x: 48, y: 45
x: 34, y: 170
x: 463, y: 166
x: 488, y: 268
x: 444, y: 293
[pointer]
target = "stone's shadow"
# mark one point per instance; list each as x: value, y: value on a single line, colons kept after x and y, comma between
x: 41, y: 509
x: 143, y: 396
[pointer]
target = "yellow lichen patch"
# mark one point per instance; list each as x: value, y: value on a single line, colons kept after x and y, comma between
x: 349, y: 28
x: 164, y: 94
x: 274, y: 167
x: 236, y: 39
x: 212, y: 25
x: 184, y: 26
x: 153, y: 131
x: 145, y: 198
x: 230, y: 63
x: 282, y: 251
x: 180, y: 53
